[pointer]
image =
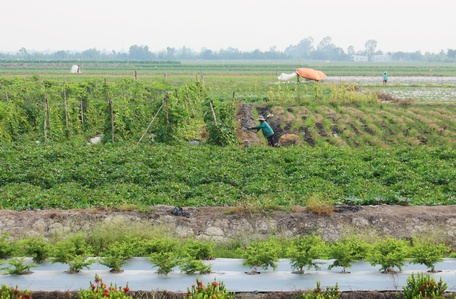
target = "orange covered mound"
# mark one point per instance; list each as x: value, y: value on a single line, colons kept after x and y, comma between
x: 310, y: 74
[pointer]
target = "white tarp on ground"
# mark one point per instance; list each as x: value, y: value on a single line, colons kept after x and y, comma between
x: 286, y: 77
x: 75, y: 69
x: 141, y: 276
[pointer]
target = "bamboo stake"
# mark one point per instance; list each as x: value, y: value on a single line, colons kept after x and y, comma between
x: 166, y: 114
x: 82, y: 112
x: 189, y: 101
x: 148, y: 127
x: 44, y: 120
x: 48, y: 113
x: 111, y: 110
x: 213, y: 113
x: 112, y: 120
x: 67, y: 131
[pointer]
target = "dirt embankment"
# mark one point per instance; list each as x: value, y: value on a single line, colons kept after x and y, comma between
x: 228, y: 223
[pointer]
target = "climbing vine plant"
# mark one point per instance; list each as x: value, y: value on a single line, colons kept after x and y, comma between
x: 220, y: 122
x: 119, y: 110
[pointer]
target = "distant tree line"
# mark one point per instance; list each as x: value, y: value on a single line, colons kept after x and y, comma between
x: 305, y: 49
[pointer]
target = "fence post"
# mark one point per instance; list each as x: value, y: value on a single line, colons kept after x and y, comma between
x: 111, y: 110
x: 45, y: 116
x: 67, y: 131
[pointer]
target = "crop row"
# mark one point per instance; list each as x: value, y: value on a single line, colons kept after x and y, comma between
x: 167, y: 253
x: 125, y: 110
x: 257, y: 68
x: 67, y: 176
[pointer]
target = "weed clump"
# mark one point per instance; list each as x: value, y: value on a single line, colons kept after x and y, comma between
x: 320, y: 206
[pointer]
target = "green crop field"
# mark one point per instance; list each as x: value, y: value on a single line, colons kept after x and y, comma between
x: 262, y: 69
x: 353, y: 144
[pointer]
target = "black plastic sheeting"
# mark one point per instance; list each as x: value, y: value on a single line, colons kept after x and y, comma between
x: 140, y: 275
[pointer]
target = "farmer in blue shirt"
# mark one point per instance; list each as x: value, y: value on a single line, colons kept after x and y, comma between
x: 268, y: 132
x: 385, y: 78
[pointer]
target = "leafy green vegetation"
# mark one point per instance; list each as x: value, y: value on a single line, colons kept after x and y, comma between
x: 331, y: 292
x: 191, y: 256
x: 100, y: 289
x: 305, y: 252
x: 262, y: 254
x: 360, y: 146
x: 18, y: 266
x: 426, y: 252
x: 165, y: 261
x: 75, y: 252
x: 35, y: 247
x: 346, y: 251
x: 116, y: 256
x: 190, y: 266
x: 212, y: 290
x: 67, y: 176
x: 424, y: 286
x: 9, y: 292
x: 7, y: 248
x: 389, y: 253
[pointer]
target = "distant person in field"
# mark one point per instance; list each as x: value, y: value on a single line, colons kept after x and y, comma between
x: 268, y: 132
x: 385, y: 78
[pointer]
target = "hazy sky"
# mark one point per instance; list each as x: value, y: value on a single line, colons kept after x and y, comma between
x: 74, y: 25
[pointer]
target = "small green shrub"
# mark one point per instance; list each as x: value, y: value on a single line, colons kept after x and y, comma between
x: 189, y: 266
x: 36, y: 248
x: 116, y: 256
x: 262, y: 254
x: 211, y: 291
x: 14, y: 293
x: 158, y: 245
x: 17, y: 266
x: 423, y: 286
x: 74, y: 251
x: 165, y: 261
x: 427, y: 253
x: 346, y: 251
x: 320, y: 293
x: 389, y: 253
x: 304, y: 251
x: 6, y: 246
x: 199, y: 250
x: 79, y: 262
x: 98, y: 290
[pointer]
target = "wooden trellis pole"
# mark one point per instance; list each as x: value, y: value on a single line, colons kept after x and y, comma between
x: 45, y: 118
x: 112, y: 120
x: 148, y: 127
x: 111, y: 111
x: 82, y: 111
x: 65, y: 106
x: 189, y: 101
x: 213, y: 113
